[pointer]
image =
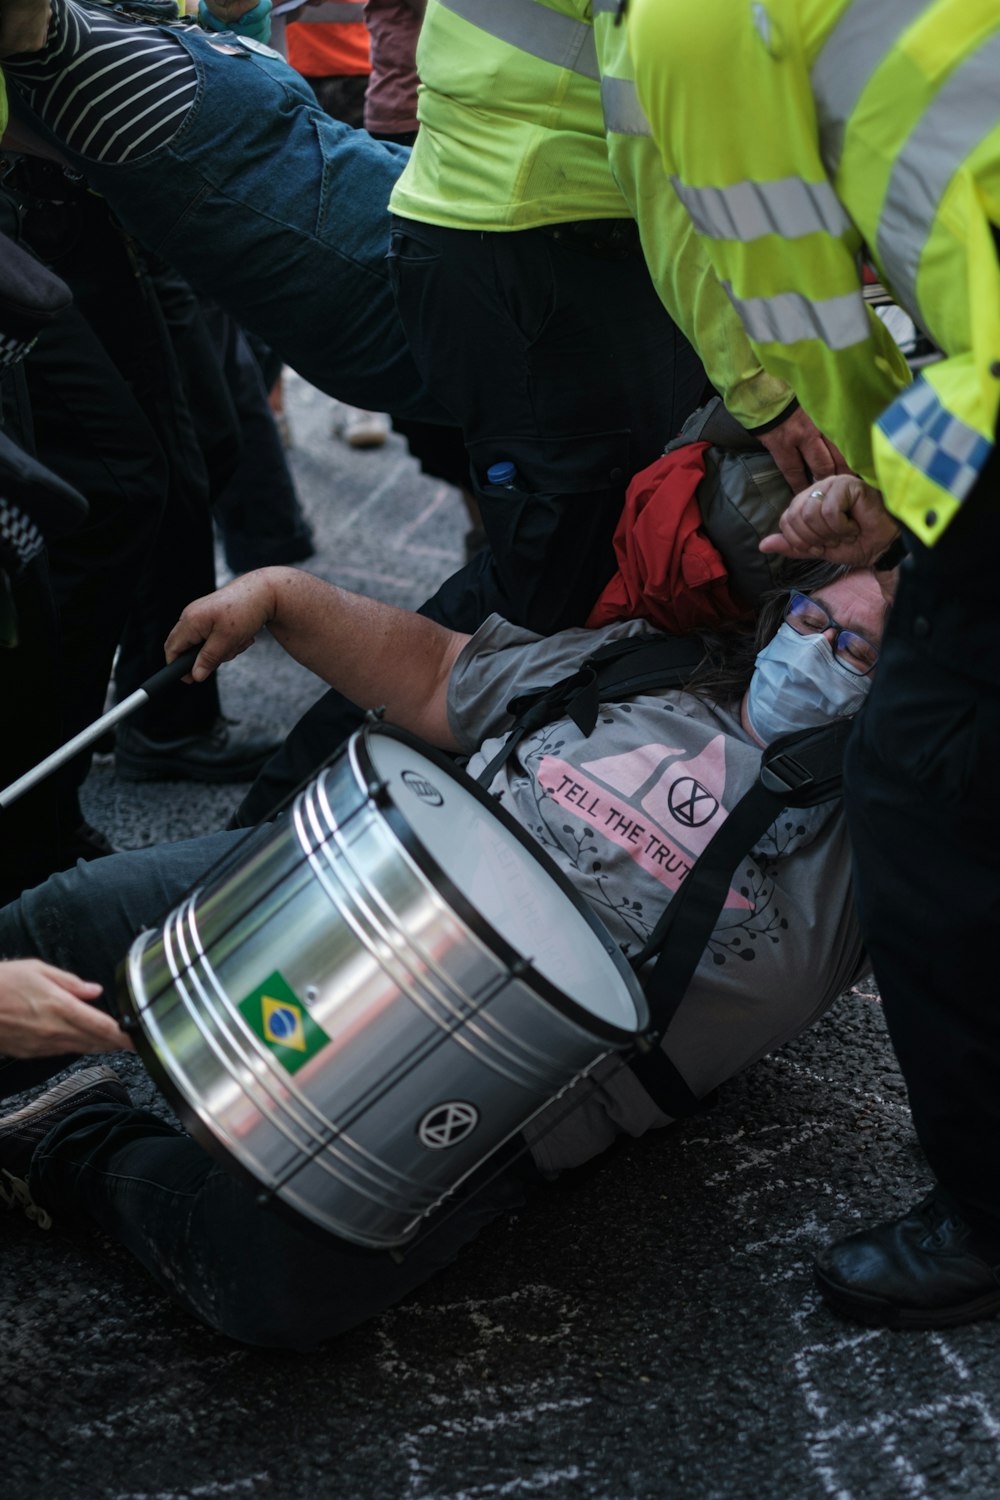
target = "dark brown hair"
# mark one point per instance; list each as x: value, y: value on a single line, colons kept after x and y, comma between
x: 730, y: 652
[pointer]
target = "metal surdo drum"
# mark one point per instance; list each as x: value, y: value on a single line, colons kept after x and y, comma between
x: 382, y: 989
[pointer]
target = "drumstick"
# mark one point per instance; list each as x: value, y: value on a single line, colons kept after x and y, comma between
x: 153, y: 685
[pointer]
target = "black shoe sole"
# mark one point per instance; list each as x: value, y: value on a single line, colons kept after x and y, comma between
x: 876, y: 1312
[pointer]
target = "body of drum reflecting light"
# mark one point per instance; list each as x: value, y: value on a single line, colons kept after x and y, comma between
x: 378, y: 993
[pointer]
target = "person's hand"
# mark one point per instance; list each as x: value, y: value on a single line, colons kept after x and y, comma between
x: 45, y: 1012
x: 24, y: 25
x: 226, y: 622
x: 801, y: 451
x: 843, y: 520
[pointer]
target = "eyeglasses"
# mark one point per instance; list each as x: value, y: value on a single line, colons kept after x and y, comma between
x: 808, y: 617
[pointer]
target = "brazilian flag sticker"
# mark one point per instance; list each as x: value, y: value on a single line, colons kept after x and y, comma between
x: 274, y: 1013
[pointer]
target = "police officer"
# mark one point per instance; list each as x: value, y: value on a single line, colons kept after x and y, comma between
x: 875, y: 126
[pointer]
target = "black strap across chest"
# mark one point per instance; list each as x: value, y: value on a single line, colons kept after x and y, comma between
x: 800, y: 769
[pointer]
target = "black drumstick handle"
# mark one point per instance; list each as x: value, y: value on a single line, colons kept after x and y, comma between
x: 163, y: 678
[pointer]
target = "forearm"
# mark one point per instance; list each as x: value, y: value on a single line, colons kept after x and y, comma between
x: 767, y: 217
x: 375, y: 654
x: 696, y: 300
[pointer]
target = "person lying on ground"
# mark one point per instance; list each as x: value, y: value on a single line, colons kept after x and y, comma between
x: 614, y: 809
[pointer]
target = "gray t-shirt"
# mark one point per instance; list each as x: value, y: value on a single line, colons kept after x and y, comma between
x: 625, y: 814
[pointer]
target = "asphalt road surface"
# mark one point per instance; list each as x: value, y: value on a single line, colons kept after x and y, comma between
x: 647, y: 1333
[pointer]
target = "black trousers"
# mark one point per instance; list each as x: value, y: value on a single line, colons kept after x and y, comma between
x: 556, y: 353
x: 923, y: 802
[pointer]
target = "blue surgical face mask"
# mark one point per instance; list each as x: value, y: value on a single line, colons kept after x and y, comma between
x: 797, y: 684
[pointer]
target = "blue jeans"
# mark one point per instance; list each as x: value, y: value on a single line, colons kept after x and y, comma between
x: 256, y: 1274
x: 280, y: 214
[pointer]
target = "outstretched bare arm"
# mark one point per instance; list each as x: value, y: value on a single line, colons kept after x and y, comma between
x: 375, y: 654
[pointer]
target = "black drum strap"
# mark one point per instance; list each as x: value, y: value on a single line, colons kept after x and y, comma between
x: 797, y: 770
x: 617, y: 670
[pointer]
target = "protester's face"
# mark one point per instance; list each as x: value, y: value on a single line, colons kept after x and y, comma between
x: 857, y: 603
x: 797, y: 682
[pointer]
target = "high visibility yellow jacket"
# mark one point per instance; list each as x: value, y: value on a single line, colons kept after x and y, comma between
x: 329, y: 41
x: 797, y: 132
x: 513, y: 134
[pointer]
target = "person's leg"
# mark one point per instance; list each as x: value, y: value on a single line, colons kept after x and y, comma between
x: 90, y: 425
x: 252, y: 1273
x: 553, y: 352
x: 84, y: 919
x: 259, y: 1275
x: 296, y: 255
x: 581, y: 387
x: 257, y: 511
x: 182, y: 562
x: 924, y: 812
x: 31, y: 682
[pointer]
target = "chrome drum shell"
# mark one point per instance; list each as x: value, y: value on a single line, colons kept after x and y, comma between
x: 440, y: 1037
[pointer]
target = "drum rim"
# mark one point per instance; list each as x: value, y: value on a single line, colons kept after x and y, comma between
x: 269, y: 1199
x: 367, y: 771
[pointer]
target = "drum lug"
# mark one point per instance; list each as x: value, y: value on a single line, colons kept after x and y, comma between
x: 647, y: 1041
x: 378, y: 793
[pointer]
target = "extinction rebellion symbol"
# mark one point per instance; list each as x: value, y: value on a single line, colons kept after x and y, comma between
x: 447, y: 1124
x: 691, y: 803
x: 422, y: 788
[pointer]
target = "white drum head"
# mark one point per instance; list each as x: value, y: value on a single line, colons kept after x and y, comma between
x: 506, y: 883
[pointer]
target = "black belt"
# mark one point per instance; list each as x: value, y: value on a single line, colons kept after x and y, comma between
x: 611, y: 239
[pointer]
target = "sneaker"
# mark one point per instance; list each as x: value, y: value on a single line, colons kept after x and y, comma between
x: 229, y: 751
x: 362, y: 429
x: 24, y: 1130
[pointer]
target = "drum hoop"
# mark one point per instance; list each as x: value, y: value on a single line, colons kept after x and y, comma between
x: 368, y: 774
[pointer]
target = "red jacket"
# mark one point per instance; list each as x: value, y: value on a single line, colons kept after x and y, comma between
x: 668, y: 570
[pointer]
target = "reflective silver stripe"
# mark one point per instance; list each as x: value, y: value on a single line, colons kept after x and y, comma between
x: 535, y: 29
x: 787, y: 206
x: 849, y: 57
x: 964, y: 110
x: 762, y: 21
x: 931, y: 438
x: 623, y: 114
x: 789, y: 317
x: 333, y: 10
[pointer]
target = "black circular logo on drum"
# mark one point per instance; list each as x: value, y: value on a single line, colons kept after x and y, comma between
x: 691, y: 803
x: 422, y: 788
x: 447, y: 1124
